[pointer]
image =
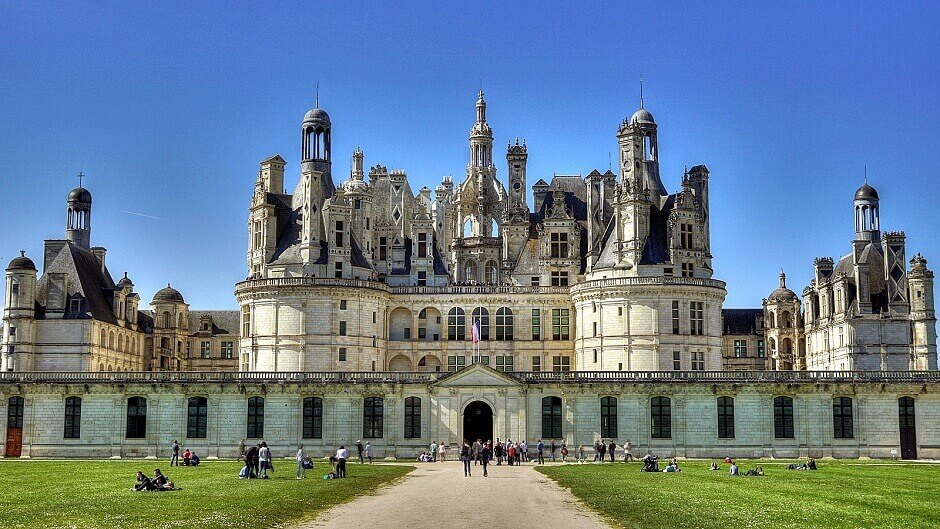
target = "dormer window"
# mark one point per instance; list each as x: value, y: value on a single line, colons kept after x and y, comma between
x: 559, y: 245
x: 75, y: 305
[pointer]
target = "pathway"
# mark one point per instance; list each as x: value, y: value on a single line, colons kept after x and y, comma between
x: 436, y: 495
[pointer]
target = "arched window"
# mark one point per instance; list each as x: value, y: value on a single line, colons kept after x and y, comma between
x: 481, y: 318
x: 456, y: 324
x: 111, y: 340
x: 783, y: 417
x: 255, y: 418
x: 166, y: 319
x: 661, y: 417
x: 504, y: 324
x: 197, y: 418
x: 412, y: 418
x: 772, y: 319
x: 373, y: 415
x: 609, y: 417
x: 491, y: 273
x: 470, y: 271
x: 842, y: 423
x: 103, y: 339
x: 73, y: 418
x: 725, y: 418
x: 551, y: 418
x: 313, y: 418
x: 136, y: 417
x: 785, y: 320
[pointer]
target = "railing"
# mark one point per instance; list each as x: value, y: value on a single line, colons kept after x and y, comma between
x: 653, y: 280
x: 480, y: 289
x: 309, y: 281
x: 815, y: 377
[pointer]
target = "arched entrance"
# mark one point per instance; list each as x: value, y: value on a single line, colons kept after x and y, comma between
x: 478, y: 422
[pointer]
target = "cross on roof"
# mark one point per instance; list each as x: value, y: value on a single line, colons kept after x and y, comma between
x: 80, y: 176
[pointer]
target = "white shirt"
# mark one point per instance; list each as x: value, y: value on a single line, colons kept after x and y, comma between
x: 300, y: 455
x: 264, y: 454
x: 342, y: 453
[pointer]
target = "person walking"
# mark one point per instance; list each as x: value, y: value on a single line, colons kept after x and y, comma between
x: 552, y: 448
x: 564, y: 452
x: 476, y: 452
x: 434, y: 448
x: 580, y: 453
x: 511, y: 454
x: 628, y: 451
x: 524, y: 449
x: 301, y: 459
x: 465, y: 454
x: 175, y: 450
x: 360, y: 450
x: 368, y: 453
x: 611, y: 448
x: 264, y: 458
x: 540, y: 448
x: 341, y: 455
x: 498, y: 452
x: 442, y: 452
x: 485, y: 454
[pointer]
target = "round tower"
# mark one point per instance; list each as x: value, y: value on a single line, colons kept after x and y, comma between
x: 867, y: 222
x: 170, y: 327
x: 782, y: 323
x: 18, y: 314
x: 78, y: 226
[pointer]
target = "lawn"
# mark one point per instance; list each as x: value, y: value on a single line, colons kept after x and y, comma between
x: 79, y: 494
x: 838, y: 495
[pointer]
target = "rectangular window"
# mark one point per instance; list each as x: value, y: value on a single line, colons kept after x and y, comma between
x: 422, y: 279
x: 698, y: 361
x: 338, y: 270
x: 412, y: 418
x: 783, y: 417
x: 422, y: 245
x: 73, y: 418
x: 75, y: 305
x: 228, y: 350
x: 725, y: 418
x: 740, y: 348
x: 456, y: 362
x: 558, y: 246
x: 257, y: 238
x: 536, y: 363
x: 246, y: 321
x: 696, y: 318
x: 406, y: 333
x: 536, y: 281
x: 422, y: 333
x: 197, y: 418
x: 676, y: 361
x: 661, y: 418
x: 688, y: 270
x: 136, y: 418
x: 685, y: 236
x: 342, y: 328
x: 675, y: 317
x: 373, y: 417
x: 551, y: 418
x: 341, y: 355
x: 609, y: 417
x: 255, y: 418
x: 383, y: 248
x: 245, y: 362
x: 312, y: 418
x: 595, y: 331
x: 760, y: 349
x: 205, y: 349
x: 485, y: 360
x: 342, y: 304
x: 561, y: 364
x: 560, y: 328
x: 536, y: 324
x: 842, y: 418
x: 504, y: 363
x: 339, y: 234
x: 559, y: 278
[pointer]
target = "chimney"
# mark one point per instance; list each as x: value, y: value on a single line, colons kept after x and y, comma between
x: 99, y: 252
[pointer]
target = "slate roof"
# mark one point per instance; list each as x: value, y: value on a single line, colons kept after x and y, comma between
x: 223, y: 321
x: 739, y: 321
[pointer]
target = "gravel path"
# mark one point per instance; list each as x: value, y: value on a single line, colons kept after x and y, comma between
x: 438, y: 496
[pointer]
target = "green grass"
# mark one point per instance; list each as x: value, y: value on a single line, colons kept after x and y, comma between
x: 77, y: 494
x: 838, y: 495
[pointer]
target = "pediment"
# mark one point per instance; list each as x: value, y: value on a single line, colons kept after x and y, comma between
x: 478, y: 375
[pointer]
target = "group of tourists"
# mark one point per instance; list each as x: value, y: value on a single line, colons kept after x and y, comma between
x: 157, y: 483
x: 190, y: 459
x: 258, y: 462
x: 479, y: 452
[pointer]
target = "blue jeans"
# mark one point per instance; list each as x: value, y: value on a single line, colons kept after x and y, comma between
x: 466, y: 467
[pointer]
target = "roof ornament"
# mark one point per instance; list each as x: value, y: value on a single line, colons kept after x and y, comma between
x: 22, y: 253
x: 641, y: 90
x: 80, y: 176
x: 316, y: 101
x: 866, y: 173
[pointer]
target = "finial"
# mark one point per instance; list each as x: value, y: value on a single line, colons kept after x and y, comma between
x: 783, y: 279
x: 866, y: 174
x: 22, y: 253
x: 641, y: 90
x: 609, y: 163
x: 125, y: 274
x: 80, y: 176
x: 316, y: 103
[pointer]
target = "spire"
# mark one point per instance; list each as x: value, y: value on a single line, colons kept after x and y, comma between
x: 481, y: 108
x: 80, y: 176
x: 866, y: 174
x: 641, y: 91
x: 316, y: 102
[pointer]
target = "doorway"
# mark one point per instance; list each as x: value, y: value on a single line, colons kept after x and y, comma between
x: 14, y: 444
x: 478, y: 422
x: 907, y: 428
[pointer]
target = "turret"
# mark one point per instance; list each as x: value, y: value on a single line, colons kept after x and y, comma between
x: 867, y: 221
x: 516, y: 157
x: 923, y: 315
x: 639, y: 153
x: 78, y: 226
x: 18, y: 313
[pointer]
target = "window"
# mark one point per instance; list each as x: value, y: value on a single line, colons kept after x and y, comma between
x: 342, y: 304
x: 504, y: 363
x: 609, y: 417
x: 245, y: 362
x: 412, y: 418
x: 136, y: 418
x: 14, y: 293
x: 504, y: 324
x: 205, y: 348
x: 342, y: 328
x: 535, y: 281
x: 783, y: 417
x: 422, y: 279
x: 75, y: 305
x: 725, y: 418
x: 661, y: 417
x: 558, y: 246
x: 676, y: 361
x: 258, y: 230
x: 197, y: 418
x: 696, y: 318
x: 481, y: 318
x: 560, y: 324
x: 228, y: 350
x: 383, y: 248
x: 338, y: 270
x: 675, y: 317
x: 246, y: 321
x: 551, y: 418
x: 373, y: 415
x: 255, y: 418
x: 698, y: 361
x: 740, y: 348
x: 312, y: 418
x: 15, y: 412
x: 536, y: 324
x: 422, y: 245
x: 339, y: 234
x: 341, y: 355
x: 559, y: 278
x: 456, y: 324
x: 406, y: 333
x: 73, y: 418
x: 685, y: 236
x: 536, y: 363
x: 842, y: 418
x: 760, y: 349
x: 561, y: 364
x: 688, y: 270
x: 456, y: 362
x: 470, y: 271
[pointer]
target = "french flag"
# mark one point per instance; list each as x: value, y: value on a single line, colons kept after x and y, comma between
x: 475, y: 332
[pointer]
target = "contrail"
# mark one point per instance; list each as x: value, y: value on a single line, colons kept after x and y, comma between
x: 141, y: 215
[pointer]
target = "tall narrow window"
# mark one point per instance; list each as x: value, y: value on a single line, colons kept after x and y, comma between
x: 197, y: 418
x: 340, y: 231
x: 481, y: 318
x: 422, y: 245
x: 383, y: 248
x: 609, y: 417
x: 14, y: 293
x: 536, y: 363
x: 412, y: 418
x: 342, y: 328
x: 504, y: 324
x: 456, y: 324
x: 136, y: 418
x: 842, y: 425
x: 696, y: 318
x: 373, y: 416
x: 725, y: 418
x: 205, y: 349
x: 661, y: 417
x: 312, y: 418
x: 536, y: 324
x: 685, y: 236
x: 675, y: 317
x: 558, y: 245
x: 783, y: 417
x: 258, y: 240
x: 676, y: 361
x: 73, y: 418
x: 560, y: 329
x: 551, y: 418
x: 246, y: 321
x: 255, y: 418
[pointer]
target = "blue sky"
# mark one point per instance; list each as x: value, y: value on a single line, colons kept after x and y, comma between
x: 169, y: 109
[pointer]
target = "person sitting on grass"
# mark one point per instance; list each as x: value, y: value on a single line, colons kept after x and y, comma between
x: 714, y: 466
x: 160, y: 482
x: 143, y: 483
x: 187, y: 455
x: 759, y: 471
x: 194, y: 459
x: 733, y: 471
x: 650, y: 463
x: 811, y: 464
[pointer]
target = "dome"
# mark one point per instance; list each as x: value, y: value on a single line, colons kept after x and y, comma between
x: 22, y: 263
x: 866, y: 192
x: 80, y: 194
x: 782, y: 294
x: 317, y: 115
x: 125, y: 281
x: 642, y: 116
x: 355, y: 185
x: 168, y: 294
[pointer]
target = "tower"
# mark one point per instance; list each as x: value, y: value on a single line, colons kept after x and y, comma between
x: 18, y: 314
x: 639, y: 153
x: 783, y: 324
x: 316, y: 182
x: 516, y: 156
x: 923, y: 315
x: 867, y: 222
x: 78, y: 227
